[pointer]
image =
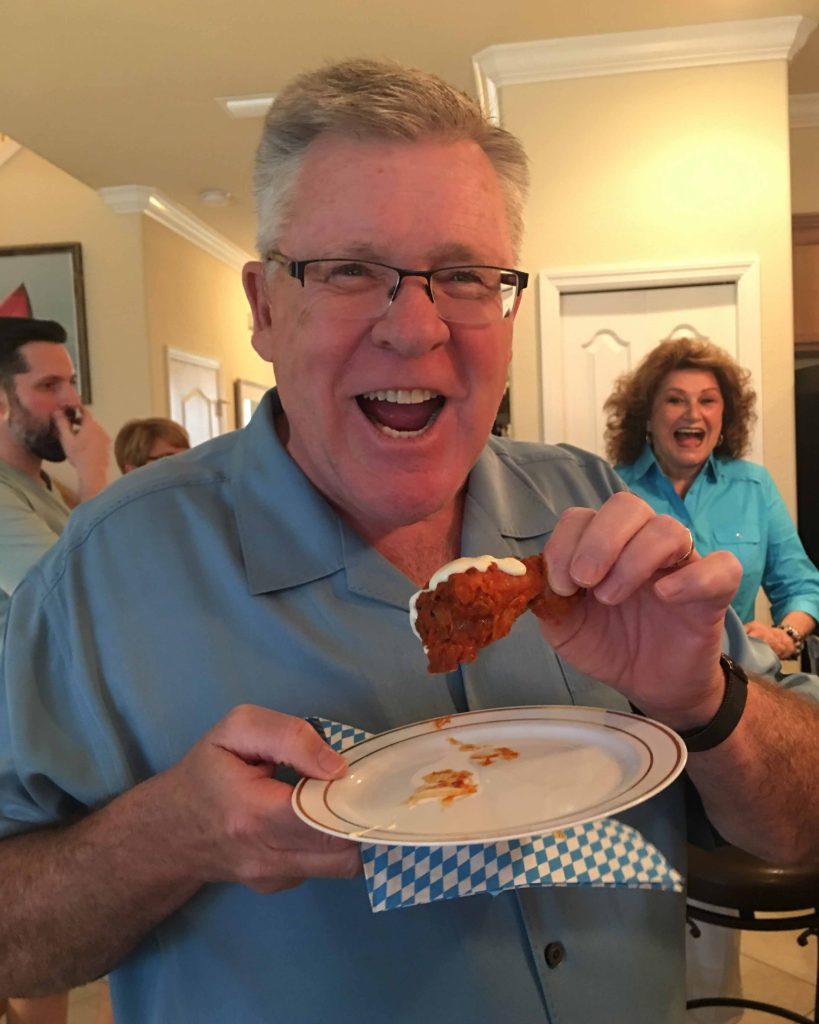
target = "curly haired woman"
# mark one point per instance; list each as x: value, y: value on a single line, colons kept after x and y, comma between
x: 677, y: 428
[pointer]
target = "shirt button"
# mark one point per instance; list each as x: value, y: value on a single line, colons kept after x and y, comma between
x: 554, y: 954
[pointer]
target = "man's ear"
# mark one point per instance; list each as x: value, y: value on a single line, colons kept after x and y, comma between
x: 253, y: 279
x: 5, y: 405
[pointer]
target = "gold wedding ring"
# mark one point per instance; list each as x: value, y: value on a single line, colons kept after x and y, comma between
x: 687, y: 555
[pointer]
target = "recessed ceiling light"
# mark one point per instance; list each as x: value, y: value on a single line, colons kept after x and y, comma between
x: 215, y: 196
x: 246, y: 106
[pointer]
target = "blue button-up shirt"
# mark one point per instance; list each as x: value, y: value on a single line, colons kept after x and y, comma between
x: 733, y: 505
x: 221, y: 577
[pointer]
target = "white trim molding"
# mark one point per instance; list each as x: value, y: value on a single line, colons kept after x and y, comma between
x: 804, y: 110
x: 151, y: 202
x: 256, y: 105
x: 190, y: 357
x: 619, y: 53
x: 554, y: 282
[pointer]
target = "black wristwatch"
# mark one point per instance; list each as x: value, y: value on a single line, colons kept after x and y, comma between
x: 728, y: 713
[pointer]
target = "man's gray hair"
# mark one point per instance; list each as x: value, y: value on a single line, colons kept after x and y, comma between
x: 373, y: 99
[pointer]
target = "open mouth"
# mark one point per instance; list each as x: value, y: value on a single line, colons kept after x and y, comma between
x: 689, y: 437
x: 402, y: 412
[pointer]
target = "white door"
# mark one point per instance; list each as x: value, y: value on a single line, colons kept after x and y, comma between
x: 606, y: 333
x: 193, y: 385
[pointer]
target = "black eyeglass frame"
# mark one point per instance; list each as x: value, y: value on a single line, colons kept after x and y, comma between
x: 296, y: 269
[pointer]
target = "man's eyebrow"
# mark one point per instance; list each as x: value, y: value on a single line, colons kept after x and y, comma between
x: 455, y: 254
x: 57, y: 378
x: 446, y: 255
x: 358, y: 250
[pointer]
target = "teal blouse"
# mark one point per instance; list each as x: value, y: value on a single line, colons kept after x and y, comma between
x: 734, y: 505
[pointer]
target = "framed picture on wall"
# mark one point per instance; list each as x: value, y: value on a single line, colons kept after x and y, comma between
x: 46, y: 282
x: 247, y: 396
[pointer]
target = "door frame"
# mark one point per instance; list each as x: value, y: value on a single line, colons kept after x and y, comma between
x: 192, y: 359
x: 553, y: 282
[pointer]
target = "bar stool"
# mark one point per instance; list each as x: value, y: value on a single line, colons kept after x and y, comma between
x: 729, y: 878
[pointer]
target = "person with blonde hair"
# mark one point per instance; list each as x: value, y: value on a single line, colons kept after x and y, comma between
x: 140, y: 442
x: 678, y: 427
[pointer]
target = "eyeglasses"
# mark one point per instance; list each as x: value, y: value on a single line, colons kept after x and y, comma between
x: 363, y: 290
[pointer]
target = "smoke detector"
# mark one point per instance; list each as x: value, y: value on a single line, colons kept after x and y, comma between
x: 215, y: 196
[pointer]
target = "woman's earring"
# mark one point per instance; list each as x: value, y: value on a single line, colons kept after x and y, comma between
x: 720, y: 439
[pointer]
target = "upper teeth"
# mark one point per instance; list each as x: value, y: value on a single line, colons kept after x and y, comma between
x: 402, y: 396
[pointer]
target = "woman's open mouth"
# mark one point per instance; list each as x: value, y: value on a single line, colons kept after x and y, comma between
x: 401, y: 412
x: 689, y: 437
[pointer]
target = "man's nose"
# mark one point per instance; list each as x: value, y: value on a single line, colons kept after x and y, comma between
x: 411, y: 324
x: 69, y: 396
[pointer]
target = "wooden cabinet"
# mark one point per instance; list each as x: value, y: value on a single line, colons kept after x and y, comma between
x: 806, y: 281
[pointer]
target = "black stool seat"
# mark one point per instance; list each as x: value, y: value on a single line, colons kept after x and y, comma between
x: 745, y: 886
x: 729, y: 877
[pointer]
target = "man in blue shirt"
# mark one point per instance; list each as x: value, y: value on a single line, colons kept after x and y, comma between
x: 193, y: 617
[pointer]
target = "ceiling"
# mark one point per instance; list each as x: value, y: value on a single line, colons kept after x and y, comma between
x: 119, y: 92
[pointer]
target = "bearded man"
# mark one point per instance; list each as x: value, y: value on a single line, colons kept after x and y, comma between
x: 41, y: 418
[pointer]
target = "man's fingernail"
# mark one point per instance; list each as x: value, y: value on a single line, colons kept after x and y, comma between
x: 668, y: 586
x: 585, y: 570
x: 564, y: 590
x: 330, y: 761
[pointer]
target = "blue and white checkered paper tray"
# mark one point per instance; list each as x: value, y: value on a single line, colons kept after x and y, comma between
x: 601, y: 853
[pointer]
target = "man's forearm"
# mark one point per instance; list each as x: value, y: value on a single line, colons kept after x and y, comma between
x: 77, y: 899
x: 760, y: 786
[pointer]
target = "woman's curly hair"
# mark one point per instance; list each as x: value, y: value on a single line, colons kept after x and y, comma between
x: 628, y: 407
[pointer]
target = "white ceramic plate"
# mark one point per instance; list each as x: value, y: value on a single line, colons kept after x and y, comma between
x: 573, y: 764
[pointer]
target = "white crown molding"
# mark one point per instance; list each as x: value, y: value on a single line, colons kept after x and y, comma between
x: 142, y: 199
x: 619, y: 53
x: 256, y: 105
x: 804, y: 110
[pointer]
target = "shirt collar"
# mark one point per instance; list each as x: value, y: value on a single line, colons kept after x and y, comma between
x: 290, y: 535
x: 712, y: 467
x: 647, y: 463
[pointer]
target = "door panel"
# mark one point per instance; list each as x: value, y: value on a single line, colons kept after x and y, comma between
x: 193, y: 384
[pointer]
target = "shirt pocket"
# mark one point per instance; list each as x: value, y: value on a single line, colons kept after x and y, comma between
x: 730, y: 537
x: 745, y: 543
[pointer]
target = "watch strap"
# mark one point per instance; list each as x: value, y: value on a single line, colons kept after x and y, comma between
x: 728, y: 714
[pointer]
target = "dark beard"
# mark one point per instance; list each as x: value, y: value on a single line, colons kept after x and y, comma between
x: 46, y: 445
x: 43, y: 442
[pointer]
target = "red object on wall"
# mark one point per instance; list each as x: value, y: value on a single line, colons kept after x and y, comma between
x: 17, y: 303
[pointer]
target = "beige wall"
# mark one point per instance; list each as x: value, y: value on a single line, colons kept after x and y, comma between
x: 196, y: 303
x: 668, y: 167
x: 805, y: 170
x: 145, y: 288
x: 39, y: 204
